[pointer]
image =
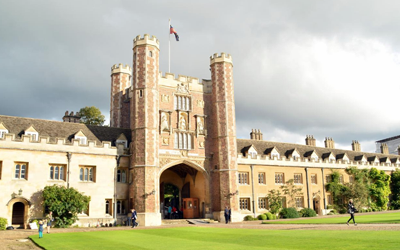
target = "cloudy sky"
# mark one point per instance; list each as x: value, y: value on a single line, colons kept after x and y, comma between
x: 308, y: 67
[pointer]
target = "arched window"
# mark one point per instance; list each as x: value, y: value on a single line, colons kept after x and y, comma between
x: 23, y: 171
x: 107, y: 207
x: 90, y: 174
x: 61, y: 173
x: 151, y: 53
x: 81, y: 174
x: 56, y: 174
x: 86, y: 174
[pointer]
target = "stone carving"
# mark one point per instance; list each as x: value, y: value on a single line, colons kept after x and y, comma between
x: 165, y: 98
x: 164, y: 161
x: 200, y: 103
x: 201, y: 144
x: 165, y: 140
x: 182, y: 122
x: 182, y: 88
x: 164, y: 121
x: 200, y: 125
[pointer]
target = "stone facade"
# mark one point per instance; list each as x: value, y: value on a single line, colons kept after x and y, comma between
x: 166, y: 130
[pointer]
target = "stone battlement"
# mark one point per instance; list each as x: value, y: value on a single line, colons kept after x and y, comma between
x: 56, y: 144
x: 146, y: 40
x: 181, y: 78
x: 305, y: 162
x: 216, y: 58
x: 120, y: 68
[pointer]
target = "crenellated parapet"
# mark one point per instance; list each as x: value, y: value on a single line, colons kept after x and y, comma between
x: 283, y: 161
x: 146, y: 40
x: 216, y: 58
x: 195, y: 84
x: 10, y: 141
x: 120, y: 68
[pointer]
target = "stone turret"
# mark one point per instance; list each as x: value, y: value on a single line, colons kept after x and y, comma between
x: 120, y: 83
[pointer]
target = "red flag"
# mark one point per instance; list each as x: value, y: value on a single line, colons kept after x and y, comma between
x: 172, y: 31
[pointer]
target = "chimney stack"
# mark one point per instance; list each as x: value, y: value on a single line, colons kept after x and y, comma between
x: 329, y: 143
x: 355, y: 145
x: 384, y: 149
x: 256, y: 135
x: 310, y: 141
x: 71, y: 117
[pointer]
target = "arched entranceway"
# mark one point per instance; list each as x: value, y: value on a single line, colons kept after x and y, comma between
x: 179, y: 182
x: 18, y: 212
x: 317, y: 204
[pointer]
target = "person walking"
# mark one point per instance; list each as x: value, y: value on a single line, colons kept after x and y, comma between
x: 229, y: 215
x: 351, y: 209
x: 226, y: 214
x: 133, y: 218
x: 49, y: 219
x: 40, y: 229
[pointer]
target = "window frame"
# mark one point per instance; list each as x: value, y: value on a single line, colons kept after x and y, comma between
x: 314, y: 179
x: 20, y: 164
x: 61, y: 172
x: 244, y: 204
x: 262, y: 203
x: 261, y: 178
x: 299, y: 201
x: 279, y: 178
x: 87, y: 174
x: 243, y: 178
x: 299, y: 180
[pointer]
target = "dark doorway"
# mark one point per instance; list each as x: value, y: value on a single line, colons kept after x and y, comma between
x: 18, y: 214
x: 316, y: 205
x: 171, y: 199
x: 186, y: 190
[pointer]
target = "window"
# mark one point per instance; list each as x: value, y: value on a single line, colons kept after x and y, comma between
x: 328, y: 178
x: 108, y: 206
x: 57, y: 172
x: 21, y: 171
x: 261, y: 178
x: 244, y: 178
x: 150, y: 53
x: 341, y: 179
x: 82, y: 139
x: 121, y: 175
x: 244, y: 204
x: 279, y: 178
x: 121, y: 207
x: 87, y: 174
x: 182, y: 102
x: 262, y: 203
x: 313, y: 178
x: 330, y: 199
x: 298, y: 179
x: 183, y: 141
x: 283, y: 201
x: 34, y: 135
x: 299, y: 201
x: 351, y: 179
x: 3, y: 132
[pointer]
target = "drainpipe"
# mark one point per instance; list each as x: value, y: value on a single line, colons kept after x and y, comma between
x: 308, y: 189
x: 323, y: 187
x: 252, y: 190
x: 69, y: 156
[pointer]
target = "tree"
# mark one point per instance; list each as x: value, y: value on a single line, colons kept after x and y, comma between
x: 358, y: 192
x: 65, y: 203
x: 274, y: 201
x: 91, y: 116
x: 292, y: 191
x: 380, y: 188
x: 395, y: 188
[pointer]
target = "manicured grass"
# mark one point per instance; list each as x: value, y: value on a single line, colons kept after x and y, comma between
x: 220, y: 238
x: 361, y: 218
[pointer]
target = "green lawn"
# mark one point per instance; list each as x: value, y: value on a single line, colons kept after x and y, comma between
x: 220, y: 238
x: 361, y: 218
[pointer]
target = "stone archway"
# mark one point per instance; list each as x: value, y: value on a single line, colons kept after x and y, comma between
x: 191, y: 180
x: 317, y: 204
x: 18, y: 212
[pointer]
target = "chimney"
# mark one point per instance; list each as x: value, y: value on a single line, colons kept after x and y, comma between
x: 310, y: 141
x: 329, y: 143
x: 71, y: 117
x: 355, y: 145
x: 256, y: 135
x: 384, y: 149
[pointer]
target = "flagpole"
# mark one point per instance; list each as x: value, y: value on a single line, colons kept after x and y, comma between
x: 169, y: 46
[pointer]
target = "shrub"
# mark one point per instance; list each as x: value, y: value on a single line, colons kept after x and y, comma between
x: 269, y: 216
x: 249, y: 218
x: 262, y: 217
x: 274, y: 216
x: 3, y: 223
x: 307, y: 212
x: 289, y: 213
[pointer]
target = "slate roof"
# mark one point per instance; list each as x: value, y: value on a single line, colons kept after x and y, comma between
x: 65, y: 130
x: 304, y: 150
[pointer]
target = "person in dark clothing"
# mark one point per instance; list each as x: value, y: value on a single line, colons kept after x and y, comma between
x: 133, y: 218
x: 351, y: 209
x: 229, y: 215
x: 226, y: 214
